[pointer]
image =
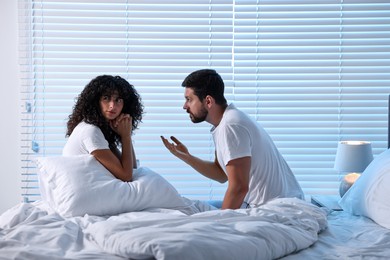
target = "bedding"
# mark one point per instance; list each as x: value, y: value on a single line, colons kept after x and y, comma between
x: 278, y: 228
x: 79, y: 185
x: 187, y: 229
x: 348, y: 237
x: 370, y: 194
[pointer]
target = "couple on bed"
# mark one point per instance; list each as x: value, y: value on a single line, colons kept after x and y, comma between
x: 109, y: 109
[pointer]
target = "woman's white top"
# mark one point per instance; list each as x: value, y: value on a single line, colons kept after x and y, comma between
x: 85, y: 139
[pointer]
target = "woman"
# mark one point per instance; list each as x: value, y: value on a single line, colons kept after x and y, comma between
x: 104, y: 117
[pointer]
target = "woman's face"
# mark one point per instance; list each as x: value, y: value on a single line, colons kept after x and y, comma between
x: 111, y: 106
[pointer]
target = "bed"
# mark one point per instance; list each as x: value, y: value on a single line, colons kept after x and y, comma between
x: 75, y: 222
x: 85, y: 213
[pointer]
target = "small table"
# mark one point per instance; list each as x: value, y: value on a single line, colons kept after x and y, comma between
x: 330, y: 202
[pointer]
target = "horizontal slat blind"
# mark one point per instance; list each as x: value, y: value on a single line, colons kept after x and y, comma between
x: 154, y: 45
x: 311, y: 73
x: 287, y: 63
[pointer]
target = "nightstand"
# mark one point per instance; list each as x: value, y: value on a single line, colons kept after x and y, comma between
x: 330, y: 202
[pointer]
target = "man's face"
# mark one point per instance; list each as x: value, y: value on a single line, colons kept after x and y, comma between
x: 194, y: 106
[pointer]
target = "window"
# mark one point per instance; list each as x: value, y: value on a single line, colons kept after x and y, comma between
x: 312, y: 73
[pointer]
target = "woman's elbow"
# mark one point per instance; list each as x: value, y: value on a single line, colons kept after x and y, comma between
x: 126, y: 177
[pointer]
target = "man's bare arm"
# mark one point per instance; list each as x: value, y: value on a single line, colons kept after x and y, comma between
x: 238, y: 176
x: 209, y: 169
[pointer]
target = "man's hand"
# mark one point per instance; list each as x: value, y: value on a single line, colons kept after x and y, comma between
x: 209, y: 169
x: 177, y: 148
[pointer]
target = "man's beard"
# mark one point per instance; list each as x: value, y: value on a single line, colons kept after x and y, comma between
x: 198, y: 119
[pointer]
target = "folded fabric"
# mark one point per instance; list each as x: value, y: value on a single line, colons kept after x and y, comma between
x: 79, y: 185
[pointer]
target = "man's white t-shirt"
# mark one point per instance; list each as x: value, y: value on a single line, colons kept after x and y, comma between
x: 85, y: 139
x: 237, y: 136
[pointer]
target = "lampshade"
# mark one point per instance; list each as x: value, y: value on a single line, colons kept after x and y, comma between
x: 353, y: 156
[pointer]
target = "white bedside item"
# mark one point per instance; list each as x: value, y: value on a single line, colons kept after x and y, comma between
x: 352, y: 158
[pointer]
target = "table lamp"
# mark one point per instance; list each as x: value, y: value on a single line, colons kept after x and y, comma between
x: 352, y: 158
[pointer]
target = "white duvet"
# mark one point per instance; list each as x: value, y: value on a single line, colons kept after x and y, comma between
x: 278, y: 228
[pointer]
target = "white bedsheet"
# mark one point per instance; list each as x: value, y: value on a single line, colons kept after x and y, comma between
x: 348, y: 237
x: 282, y: 226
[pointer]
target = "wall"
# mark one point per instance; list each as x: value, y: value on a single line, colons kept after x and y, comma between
x: 9, y: 86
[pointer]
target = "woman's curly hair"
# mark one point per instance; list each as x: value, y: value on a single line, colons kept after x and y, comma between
x: 87, y: 107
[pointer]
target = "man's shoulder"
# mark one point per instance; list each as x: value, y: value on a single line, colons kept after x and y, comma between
x: 236, y: 116
x: 233, y: 111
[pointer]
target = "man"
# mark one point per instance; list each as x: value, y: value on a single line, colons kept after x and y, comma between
x: 245, y: 155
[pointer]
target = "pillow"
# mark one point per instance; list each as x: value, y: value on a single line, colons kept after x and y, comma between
x: 78, y: 185
x: 370, y: 194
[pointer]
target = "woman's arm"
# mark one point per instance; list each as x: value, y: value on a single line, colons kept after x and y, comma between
x: 135, y: 166
x: 121, y: 167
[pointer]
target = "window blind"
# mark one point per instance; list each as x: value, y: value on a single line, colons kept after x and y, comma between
x: 318, y: 72
x: 312, y: 73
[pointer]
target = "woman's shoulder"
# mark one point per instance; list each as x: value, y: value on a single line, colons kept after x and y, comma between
x: 84, y: 127
x: 83, y: 124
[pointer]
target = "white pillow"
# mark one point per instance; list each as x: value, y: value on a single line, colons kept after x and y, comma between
x: 370, y: 194
x: 78, y: 185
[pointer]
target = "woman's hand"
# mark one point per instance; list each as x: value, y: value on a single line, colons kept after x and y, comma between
x: 122, y: 124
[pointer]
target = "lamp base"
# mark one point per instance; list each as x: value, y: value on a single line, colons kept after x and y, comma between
x: 347, y: 182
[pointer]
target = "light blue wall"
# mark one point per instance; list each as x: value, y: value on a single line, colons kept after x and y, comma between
x: 9, y: 106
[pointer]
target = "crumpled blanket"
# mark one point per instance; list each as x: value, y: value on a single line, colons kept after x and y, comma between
x: 278, y: 228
